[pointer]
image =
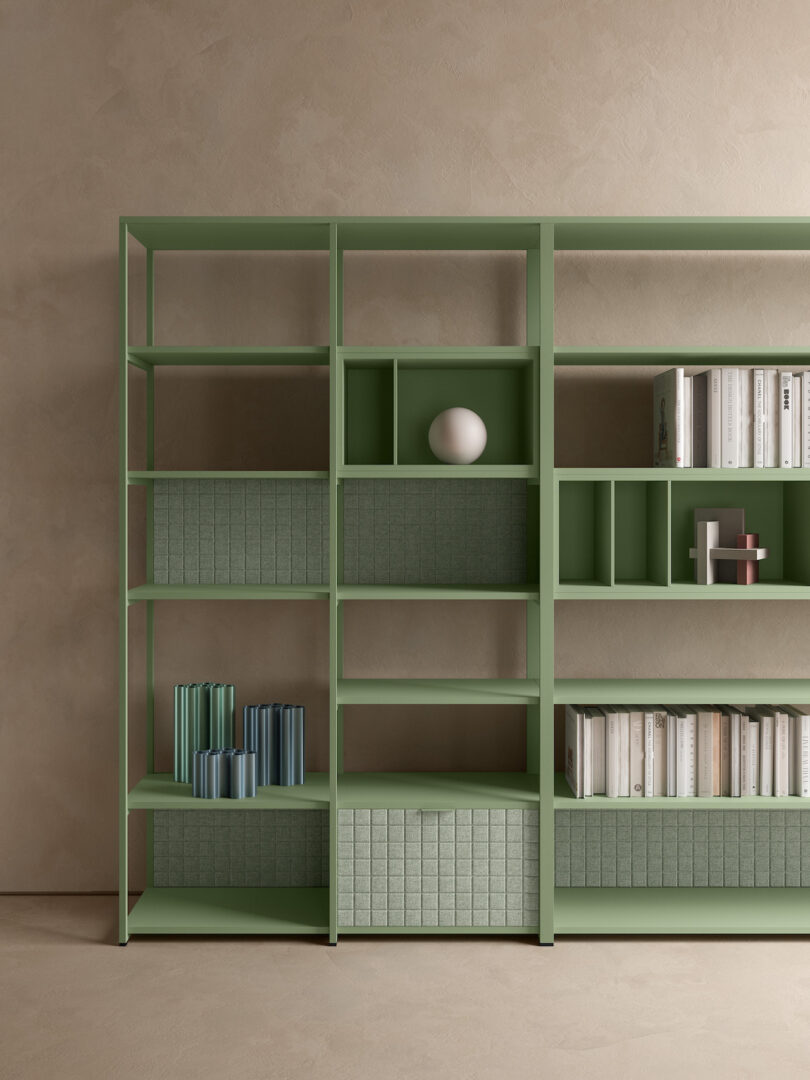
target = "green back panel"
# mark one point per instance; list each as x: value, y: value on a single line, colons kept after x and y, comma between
x: 370, y: 415
x: 261, y: 848
x: 434, y: 532
x: 797, y: 532
x: 763, y: 515
x: 685, y: 848
x: 496, y: 394
x: 585, y: 532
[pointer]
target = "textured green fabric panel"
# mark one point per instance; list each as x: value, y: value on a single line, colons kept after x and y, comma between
x: 241, y: 532
x: 437, y: 868
x: 434, y: 532
x: 262, y: 848
x: 653, y: 848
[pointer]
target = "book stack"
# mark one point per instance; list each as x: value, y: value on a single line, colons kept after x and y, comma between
x: 204, y: 718
x: 275, y: 733
x: 732, y: 418
x: 700, y: 751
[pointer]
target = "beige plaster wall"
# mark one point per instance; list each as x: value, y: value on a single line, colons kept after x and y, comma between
x: 417, y: 107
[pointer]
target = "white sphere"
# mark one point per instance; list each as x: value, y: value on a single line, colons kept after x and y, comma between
x: 458, y: 436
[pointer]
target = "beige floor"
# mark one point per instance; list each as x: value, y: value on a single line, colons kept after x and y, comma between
x: 74, y: 1005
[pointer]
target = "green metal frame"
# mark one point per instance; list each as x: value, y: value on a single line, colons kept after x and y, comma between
x: 618, y: 503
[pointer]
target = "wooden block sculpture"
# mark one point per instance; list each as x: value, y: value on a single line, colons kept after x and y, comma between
x: 720, y: 537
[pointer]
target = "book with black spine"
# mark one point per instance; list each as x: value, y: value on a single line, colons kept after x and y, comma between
x: 700, y: 398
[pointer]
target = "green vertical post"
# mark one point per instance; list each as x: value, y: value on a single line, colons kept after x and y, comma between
x: 546, y: 604
x: 533, y: 642
x: 335, y: 396
x: 150, y: 556
x: 123, y: 560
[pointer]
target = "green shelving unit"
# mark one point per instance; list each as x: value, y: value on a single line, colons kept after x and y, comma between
x: 591, y: 533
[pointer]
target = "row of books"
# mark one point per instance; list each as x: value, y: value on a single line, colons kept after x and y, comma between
x: 700, y: 750
x: 732, y: 418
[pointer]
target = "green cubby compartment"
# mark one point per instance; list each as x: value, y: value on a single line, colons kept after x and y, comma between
x: 779, y: 511
x: 499, y: 392
x: 641, y: 532
x: 369, y: 409
x: 585, y: 532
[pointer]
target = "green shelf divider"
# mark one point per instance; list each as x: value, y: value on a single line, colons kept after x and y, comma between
x: 230, y: 910
x: 681, y: 691
x: 159, y: 791
x: 438, y: 691
x: 438, y: 791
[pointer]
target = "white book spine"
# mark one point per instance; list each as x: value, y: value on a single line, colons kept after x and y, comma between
x: 660, y: 754
x: 806, y: 419
x: 587, y: 756
x: 687, y: 755
x: 797, y: 421
x: 624, y: 754
x: 793, y: 770
x: 714, y: 418
x: 649, y: 752
x: 766, y: 755
x: 771, y: 418
x: 746, y: 418
x: 687, y: 421
x: 753, y: 757
x: 781, y: 755
x: 672, y: 755
x: 598, y: 748
x: 730, y: 398
x: 804, y: 756
x: 759, y: 418
x: 735, y: 755
x: 785, y: 419
x: 612, y: 756
x: 705, y: 755
x: 745, y: 756
x: 636, y: 754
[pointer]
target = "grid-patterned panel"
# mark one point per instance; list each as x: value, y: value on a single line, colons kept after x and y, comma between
x: 655, y: 848
x: 434, y: 532
x: 262, y: 848
x: 241, y: 532
x: 437, y: 868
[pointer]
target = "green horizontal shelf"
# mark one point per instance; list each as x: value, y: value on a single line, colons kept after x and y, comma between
x: 682, y: 911
x: 443, y: 472
x: 230, y: 911
x: 564, y: 799
x: 228, y: 592
x: 459, y: 931
x: 472, y: 233
x: 701, y: 357
x: 690, y: 475
x: 238, y: 356
x: 438, y: 691
x: 141, y: 476
x: 158, y: 791
x: 650, y: 590
x: 680, y: 691
x: 416, y: 356
x: 438, y: 592
x: 438, y: 791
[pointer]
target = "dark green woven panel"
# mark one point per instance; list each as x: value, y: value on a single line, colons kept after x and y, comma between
x: 241, y: 532
x: 434, y: 532
x: 261, y: 848
x: 655, y: 848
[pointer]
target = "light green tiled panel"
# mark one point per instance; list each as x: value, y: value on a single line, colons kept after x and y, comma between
x: 241, y: 532
x: 241, y: 848
x: 437, y: 868
x: 434, y: 532
x: 653, y: 848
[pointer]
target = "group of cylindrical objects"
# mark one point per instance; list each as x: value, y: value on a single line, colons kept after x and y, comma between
x: 204, y: 719
x: 275, y: 733
x: 224, y: 774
